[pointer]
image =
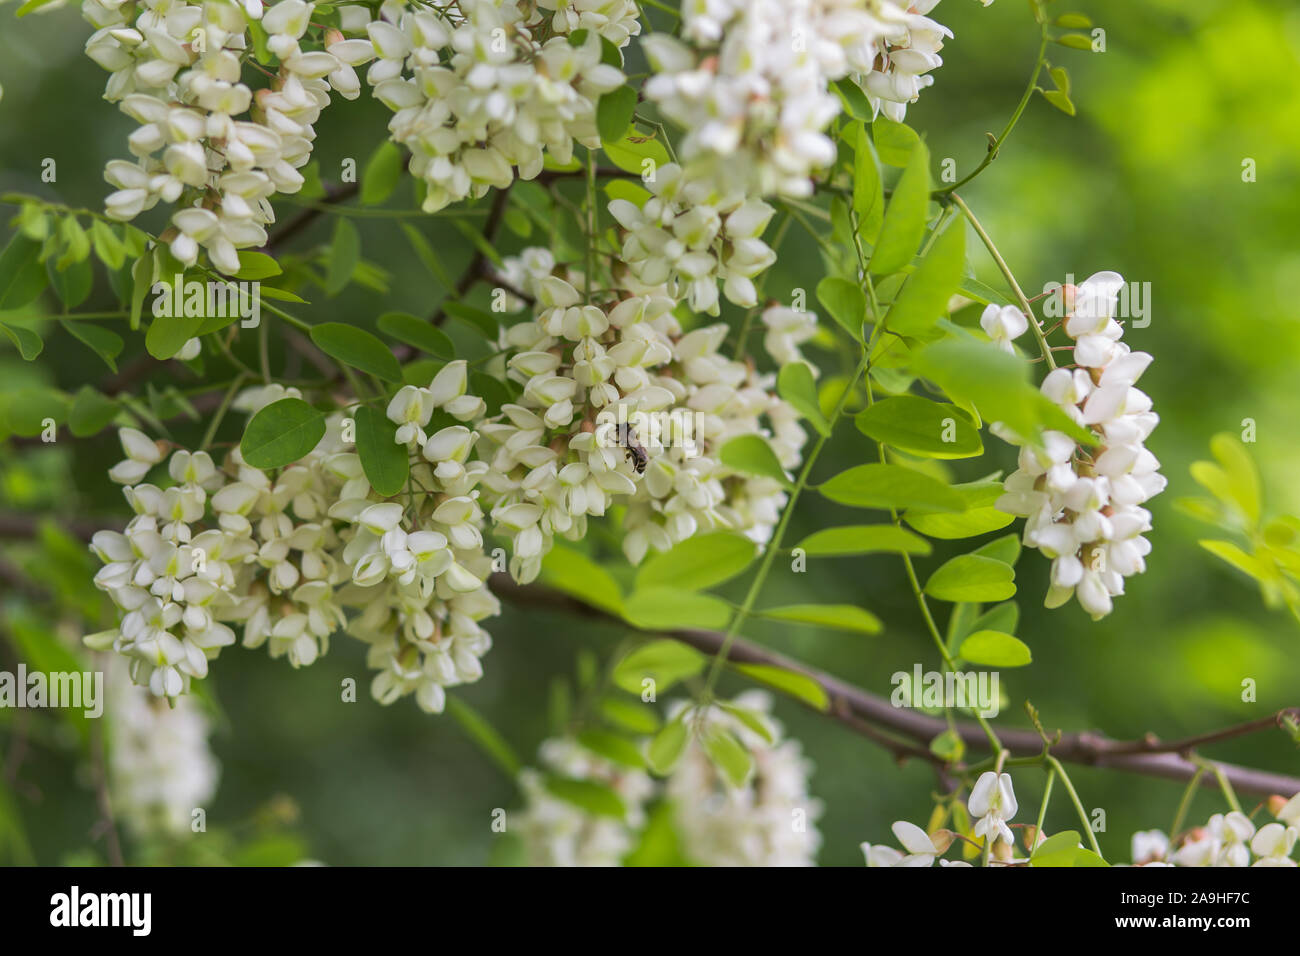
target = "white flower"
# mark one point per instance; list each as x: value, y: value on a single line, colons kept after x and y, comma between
x: 1273, y: 845
x: 1003, y: 324
x: 141, y: 455
x: 993, y: 801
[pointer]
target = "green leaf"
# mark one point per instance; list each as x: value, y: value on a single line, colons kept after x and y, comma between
x: 752, y: 455
x: 846, y: 303
x: 381, y: 175
x: 72, y: 283
x: 665, y: 662
x: 799, y: 686
x: 358, y: 348
x: 667, y: 746
x: 484, y: 734
x: 612, y: 747
x: 868, y: 189
x: 751, y: 719
x: 29, y: 407
x: 256, y: 266
x: 895, y: 142
x: 614, y: 113
x: 995, y: 649
x: 1005, y: 549
x: 948, y: 746
x: 1235, y: 480
x: 595, y: 798
x: 1239, y: 559
x: 1074, y: 21
x: 418, y: 333
x: 972, y: 577
x: 282, y: 433
x: 978, y: 516
x: 572, y: 572
x: 842, y: 617
x: 1062, y: 849
x: 384, y: 461
x: 669, y: 609
x: 855, y: 101
x: 1002, y: 617
x: 1076, y: 41
x: 889, y: 486
x: 168, y: 334
x: 905, y: 216
x: 107, y: 245
x: 1061, y: 77
x: 632, y: 150
x: 105, y: 343
x: 795, y: 385
x: 344, y: 255
x: 729, y: 756
x: 1060, y: 100
x: 25, y: 340
x: 91, y: 412
x: 997, y: 383
x: 629, y: 715
x: 863, y: 539
x: 921, y: 427
x: 699, y: 562
x: 924, y: 297
x: 22, y: 276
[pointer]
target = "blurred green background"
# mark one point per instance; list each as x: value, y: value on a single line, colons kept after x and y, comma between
x: 1145, y: 180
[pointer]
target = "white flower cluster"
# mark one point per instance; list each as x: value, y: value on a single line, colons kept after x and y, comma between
x: 992, y: 803
x: 750, y: 81
x: 559, y: 833
x: 478, y: 90
x: 1084, y: 508
x: 619, y: 404
x: 767, y: 822
x: 206, y: 141
x: 689, y: 237
x: 1229, y: 839
x: 160, y: 766
x: 283, y: 556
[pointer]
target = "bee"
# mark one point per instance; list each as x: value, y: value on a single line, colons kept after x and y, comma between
x: 635, y: 453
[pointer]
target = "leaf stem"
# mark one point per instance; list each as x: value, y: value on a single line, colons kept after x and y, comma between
x: 1007, y: 274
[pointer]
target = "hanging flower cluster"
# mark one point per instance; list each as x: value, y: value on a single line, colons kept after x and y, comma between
x: 557, y: 832
x: 768, y: 821
x: 160, y: 766
x: 481, y: 89
x: 207, y: 142
x: 750, y: 82
x: 619, y: 403
x: 283, y: 557
x: 1084, y: 506
x: 616, y: 403
x: 1228, y: 839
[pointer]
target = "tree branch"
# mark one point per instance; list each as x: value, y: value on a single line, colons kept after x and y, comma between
x: 880, y: 721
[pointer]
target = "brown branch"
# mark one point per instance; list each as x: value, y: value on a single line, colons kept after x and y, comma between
x: 904, y: 732
x: 857, y: 709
